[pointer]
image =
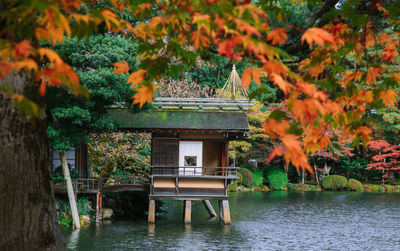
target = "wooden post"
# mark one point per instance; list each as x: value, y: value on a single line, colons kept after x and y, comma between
x: 101, y: 205
x: 209, y: 208
x: 97, y: 207
x: 221, y: 215
x: 224, y: 212
x: 188, y: 211
x: 152, y: 210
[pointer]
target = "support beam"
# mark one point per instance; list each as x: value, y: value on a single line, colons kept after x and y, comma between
x: 152, y: 211
x: 97, y: 207
x: 209, y: 208
x: 225, y: 214
x: 187, y: 211
x: 101, y: 205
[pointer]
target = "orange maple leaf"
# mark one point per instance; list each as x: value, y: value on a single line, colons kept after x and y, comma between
x: 373, y: 74
x: 318, y: 36
x: 137, y: 77
x: 278, y: 151
x: 28, y: 63
x: 248, y: 73
x: 198, y: 38
x: 53, y: 57
x: 143, y: 95
x: 280, y: 82
x: 121, y: 67
x: 277, y: 36
x: 110, y: 18
x: 388, y: 97
x: 23, y: 49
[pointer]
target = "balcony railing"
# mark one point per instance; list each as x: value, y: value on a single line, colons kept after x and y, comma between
x: 193, y: 171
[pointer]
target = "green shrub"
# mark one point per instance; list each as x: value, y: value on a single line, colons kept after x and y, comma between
x: 258, y: 178
x: 247, y: 177
x: 290, y: 186
x: 374, y: 188
x: 239, y: 179
x: 389, y: 188
x: 247, y: 166
x: 233, y: 187
x: 334, y: 182
x: 355, y: 185
x: 276, y: 179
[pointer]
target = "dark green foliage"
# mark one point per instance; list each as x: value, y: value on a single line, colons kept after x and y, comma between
x: 276, y: 178
x: 127, y: 204
x: 64, y: 216
x: 334, y: 183
x: 290, y: 186
x: 258, y: 178
x: 58, y: 177
x: 234, y: 186
x: 355, y: 185
x: 247, y: 177
x: 71, y: 116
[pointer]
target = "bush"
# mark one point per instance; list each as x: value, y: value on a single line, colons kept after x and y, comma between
x: 290, y: 186
x: 389, y: 188
x: 355, y: 185
x: 239, y: 179
x: 258, y: 178
x: 233, y: 187
x: 247, y: 177
x: 334, y: 183
x: 276, y: 179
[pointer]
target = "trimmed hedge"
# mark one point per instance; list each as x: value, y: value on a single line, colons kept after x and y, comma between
x: 355, y: 185
x: 247, y: 177
x: 258, y: 178
x: 334, y: 183
x: 276, y: 178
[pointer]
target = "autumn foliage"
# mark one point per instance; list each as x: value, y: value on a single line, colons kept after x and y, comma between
x: 386, y: 158
x: 320, y: 95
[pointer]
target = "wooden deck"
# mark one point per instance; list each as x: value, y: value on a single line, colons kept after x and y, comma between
x: 185, y: 183
x: 117, y: 183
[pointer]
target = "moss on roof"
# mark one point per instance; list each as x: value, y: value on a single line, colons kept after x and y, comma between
x: 191, y: 120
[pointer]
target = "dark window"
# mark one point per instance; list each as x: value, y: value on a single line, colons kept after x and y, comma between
x: 190, y: 161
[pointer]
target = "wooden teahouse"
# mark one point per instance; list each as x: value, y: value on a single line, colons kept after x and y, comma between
x: 190, y: 138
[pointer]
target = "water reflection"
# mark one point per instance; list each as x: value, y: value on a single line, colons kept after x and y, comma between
x: 260, y: 221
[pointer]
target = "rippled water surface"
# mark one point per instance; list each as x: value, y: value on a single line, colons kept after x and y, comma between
x: 260, y: 221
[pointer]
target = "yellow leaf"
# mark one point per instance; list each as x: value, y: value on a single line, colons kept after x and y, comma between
x: 137, y: 77
x: 121, y: 67
x: 143, y: 95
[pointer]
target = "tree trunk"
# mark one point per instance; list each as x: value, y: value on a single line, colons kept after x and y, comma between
x: 303, y: 172
x: 316, y: 173
x: 27, y: 205
x: 70, y: 190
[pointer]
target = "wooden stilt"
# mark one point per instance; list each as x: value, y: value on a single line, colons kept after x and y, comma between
x: 97, y: 207
x: 209, y: 208
x: 152, y: 210
x: 101, y: 205
x: 221, y: 215
x: 188, y: 211
x: 225, y: 214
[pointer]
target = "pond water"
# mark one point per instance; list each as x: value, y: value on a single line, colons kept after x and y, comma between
x: 260, y: 221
